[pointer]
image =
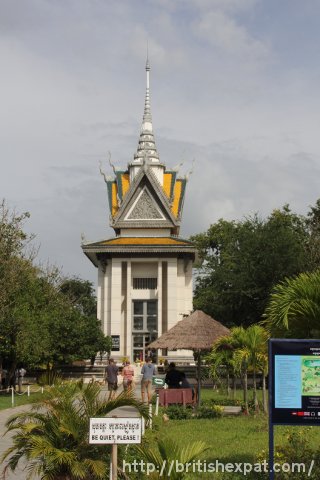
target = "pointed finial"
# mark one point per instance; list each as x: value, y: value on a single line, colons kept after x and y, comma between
x: 147, y: 61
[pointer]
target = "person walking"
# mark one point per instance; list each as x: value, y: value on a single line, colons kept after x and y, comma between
x: 128, y: 374
x: 20, y: 373
x: 111, y: 378
x: 148, y: 371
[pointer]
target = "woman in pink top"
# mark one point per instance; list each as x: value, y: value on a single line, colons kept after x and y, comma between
x: 128, y: 374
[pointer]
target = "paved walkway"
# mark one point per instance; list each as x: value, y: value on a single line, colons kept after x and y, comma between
x: 5, y: 441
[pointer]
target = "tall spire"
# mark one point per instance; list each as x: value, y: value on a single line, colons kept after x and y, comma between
x: 147, y: 149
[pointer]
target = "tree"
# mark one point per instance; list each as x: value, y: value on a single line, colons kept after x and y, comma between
x: 16, y: 268
x: 82, y: 296
x: 221, y: 360
x: 313, y: 229
x: 53, y: 437
x: 293, y: 310
x: 225, y: 350
x: 243, y: 260
x: 244, y: 350
x: 253, y: 354
x: 44, y: 319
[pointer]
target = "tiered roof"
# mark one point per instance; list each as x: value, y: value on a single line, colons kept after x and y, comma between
x: 146, y: 197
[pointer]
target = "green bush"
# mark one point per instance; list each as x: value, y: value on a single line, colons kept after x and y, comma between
x: 232, y: 402
x: 205, y: 411
x: 49, y: 377
x: 251, y: 405
x: 178, y: 412
x: 295, y: 450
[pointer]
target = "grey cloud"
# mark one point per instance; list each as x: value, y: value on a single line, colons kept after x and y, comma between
x: 73, y: 85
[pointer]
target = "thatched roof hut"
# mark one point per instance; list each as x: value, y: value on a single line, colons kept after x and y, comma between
x: 198, y: 331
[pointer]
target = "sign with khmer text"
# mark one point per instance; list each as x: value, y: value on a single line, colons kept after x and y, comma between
x: 115, y: 430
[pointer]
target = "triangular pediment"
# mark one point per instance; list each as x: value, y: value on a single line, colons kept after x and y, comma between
x: 145, y: 208
x: 145, y: 205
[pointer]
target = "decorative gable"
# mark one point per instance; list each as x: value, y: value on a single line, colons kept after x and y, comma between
x: 145, y: 205
x: 145, y: 208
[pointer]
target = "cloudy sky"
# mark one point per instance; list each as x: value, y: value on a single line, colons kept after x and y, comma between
x: 234, y: 85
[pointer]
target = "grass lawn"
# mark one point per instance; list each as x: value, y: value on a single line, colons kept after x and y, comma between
x: 229, y: 439
x: 6, y: 400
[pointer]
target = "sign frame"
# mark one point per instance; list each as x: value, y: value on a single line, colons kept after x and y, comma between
x: 293, y: 348
x: 109, y: 430
x: 288, y: 354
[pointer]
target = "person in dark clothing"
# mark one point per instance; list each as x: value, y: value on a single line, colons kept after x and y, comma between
x: 173, y: 377
x: 185, y: 384
x: 111, y: 376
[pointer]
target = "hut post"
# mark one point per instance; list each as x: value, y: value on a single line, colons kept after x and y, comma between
x: 199, y: 376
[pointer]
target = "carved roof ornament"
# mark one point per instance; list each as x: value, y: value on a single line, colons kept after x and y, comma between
x: 107, y: 178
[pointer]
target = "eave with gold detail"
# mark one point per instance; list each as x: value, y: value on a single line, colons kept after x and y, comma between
x: 154, y: 246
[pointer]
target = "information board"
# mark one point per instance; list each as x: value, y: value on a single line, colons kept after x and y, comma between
x: 115, y: 346
x: 294, y: 382
x: 115, y: 430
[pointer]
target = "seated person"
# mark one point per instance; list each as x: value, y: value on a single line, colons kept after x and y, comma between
x: 173, y: 376
x: 185, y: 384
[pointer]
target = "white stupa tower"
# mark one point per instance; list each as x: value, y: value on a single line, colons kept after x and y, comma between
x: 145, y: 271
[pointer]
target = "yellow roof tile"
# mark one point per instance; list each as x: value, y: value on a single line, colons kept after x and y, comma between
x: 145, y: 241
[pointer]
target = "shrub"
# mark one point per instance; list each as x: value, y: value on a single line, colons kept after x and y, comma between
x: 209, y: 412
x: 233, y: 402
x: 295, y: 450
x: 49, y: 377
x: 178, y: 412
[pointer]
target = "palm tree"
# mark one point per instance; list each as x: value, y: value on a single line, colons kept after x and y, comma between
x: 243, y: 350
x: 222, y: 355
x: 238, y: 339
x: 253, y: 354
x: 294, y: 307
x: 224, y: 351
x: 53, y: 437
x: 169, y: 461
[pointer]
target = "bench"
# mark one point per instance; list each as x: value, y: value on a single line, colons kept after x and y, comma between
x: 232, y: 410
x: 180, y: 396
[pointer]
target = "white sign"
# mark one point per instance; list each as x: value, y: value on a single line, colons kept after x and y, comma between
x: 115, y: 430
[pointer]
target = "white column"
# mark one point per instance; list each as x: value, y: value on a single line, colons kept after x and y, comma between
x: 159, y: 302
x: 181, y: 287
x: 159, y: 298
x: 188, y: 288
x: 172, y: 292
x: 107, y: 299
x: 116, y: 324
x: 100, y: 295
x: 129, y: 311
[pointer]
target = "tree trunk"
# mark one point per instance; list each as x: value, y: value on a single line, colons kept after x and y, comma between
x: 11, y: 381
x: 234, y: 386
x: 245, y: 392
x: 264, y: 393
x: 228, y: 385
x: 255, y: 398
